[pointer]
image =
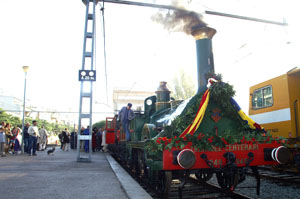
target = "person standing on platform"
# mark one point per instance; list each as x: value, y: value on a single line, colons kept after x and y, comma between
x: 8, y: 136
x: 104, y: 145
x: 66, y: 140
x: 33, y: 132
x: 82, y: 141
x: 17, y: 147
x: 99, y: 139
x: 2, y: 142
x: 26, y: 137
x: 60, y: 136
x: 2, y: 125
x: 72, y: 140
x: 125, y: 115
x: 94, y: 139
x: 86, y: 142
x: 43, y: 138
x: 14, y: 142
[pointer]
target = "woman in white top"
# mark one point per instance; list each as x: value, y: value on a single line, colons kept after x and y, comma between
x: 104, y: 145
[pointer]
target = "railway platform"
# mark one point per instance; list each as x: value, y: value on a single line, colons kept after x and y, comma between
x: 60, y: 176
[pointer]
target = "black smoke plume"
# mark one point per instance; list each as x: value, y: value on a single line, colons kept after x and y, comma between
x: 179, y: 20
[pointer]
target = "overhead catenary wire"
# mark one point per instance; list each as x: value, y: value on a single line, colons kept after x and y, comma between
x: 104, y: 49
x: 170, y: 7
x: 65, y: 112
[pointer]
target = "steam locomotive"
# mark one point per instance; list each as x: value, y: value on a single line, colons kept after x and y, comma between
x: 205, y: 135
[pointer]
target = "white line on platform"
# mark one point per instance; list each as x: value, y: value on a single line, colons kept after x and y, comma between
x: 131, y: 187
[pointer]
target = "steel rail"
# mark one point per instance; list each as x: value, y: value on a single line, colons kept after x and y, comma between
x: 231, y: 194
x: 193, y: 189
x: 286, y: 177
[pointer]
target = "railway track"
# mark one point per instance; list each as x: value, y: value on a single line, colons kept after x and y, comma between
x: 193, y: 189
x: 285, y: 177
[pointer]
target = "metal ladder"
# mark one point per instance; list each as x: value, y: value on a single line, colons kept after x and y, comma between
x: 86, y: 87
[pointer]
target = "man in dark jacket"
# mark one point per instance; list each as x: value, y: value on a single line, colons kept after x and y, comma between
x: 60, y: 136
x: 26, y: 137
x: 125, y: 115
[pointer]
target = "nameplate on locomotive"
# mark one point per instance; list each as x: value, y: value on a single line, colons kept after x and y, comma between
x: 236, y: 147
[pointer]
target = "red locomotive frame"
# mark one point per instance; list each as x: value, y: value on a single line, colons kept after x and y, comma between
x: 216, y: 157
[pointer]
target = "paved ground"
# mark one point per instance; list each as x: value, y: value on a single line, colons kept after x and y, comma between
x: 59, y: 176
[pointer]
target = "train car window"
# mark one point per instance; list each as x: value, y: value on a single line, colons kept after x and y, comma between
x: 262, y: 98
x: 110, y: 124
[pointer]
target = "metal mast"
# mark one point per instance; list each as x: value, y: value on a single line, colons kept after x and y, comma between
x: 87, y: 75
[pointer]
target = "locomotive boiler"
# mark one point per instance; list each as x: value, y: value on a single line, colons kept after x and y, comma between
x: 205, y: 135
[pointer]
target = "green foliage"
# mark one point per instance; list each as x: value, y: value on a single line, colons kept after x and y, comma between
x: 232, y: 129
x: 16, y: 121
x: 217, y: 77
x: 99, y: 124
x: 184, y: 120
x: 208, y: 142
x: 13, y: 120
x: 220, y: 94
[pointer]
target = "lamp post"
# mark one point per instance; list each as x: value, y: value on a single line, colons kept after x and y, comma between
x: 25, y: 69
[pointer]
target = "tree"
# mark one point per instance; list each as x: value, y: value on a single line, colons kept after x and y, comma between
x: 183, y: 86
x: 13, y: 120
x: 99, y: 124
x: 16, y: 121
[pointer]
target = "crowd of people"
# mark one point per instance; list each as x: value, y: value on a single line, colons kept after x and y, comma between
x: 36, y: 139
x: 64, y: 138
x: 69, y: 140
x: 10, y: 142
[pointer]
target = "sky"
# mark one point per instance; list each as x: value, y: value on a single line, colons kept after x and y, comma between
x: 48, y: 37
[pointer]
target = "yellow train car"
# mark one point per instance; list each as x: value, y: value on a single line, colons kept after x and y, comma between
x: 275, y: 104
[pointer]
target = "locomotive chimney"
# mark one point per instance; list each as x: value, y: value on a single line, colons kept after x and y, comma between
x: 205, y: 61
x: 163, y: 96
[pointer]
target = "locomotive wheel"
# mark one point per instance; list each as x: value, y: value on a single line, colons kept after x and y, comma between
x: 164, y: 183
x: 203, y: 176
x: 227, y: 182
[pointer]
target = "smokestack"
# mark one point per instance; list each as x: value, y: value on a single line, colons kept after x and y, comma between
x: 163, y: 96
x: 205, y: 60
x: 191, y: 23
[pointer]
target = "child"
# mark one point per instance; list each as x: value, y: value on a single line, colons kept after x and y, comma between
x: 2, y: 141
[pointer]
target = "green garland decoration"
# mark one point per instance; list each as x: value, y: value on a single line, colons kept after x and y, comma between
x: 220, y: 94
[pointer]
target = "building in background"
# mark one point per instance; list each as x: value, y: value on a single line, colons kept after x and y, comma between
x: 10, y: 104
x: 14, y: 106
x: 123, y: 97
